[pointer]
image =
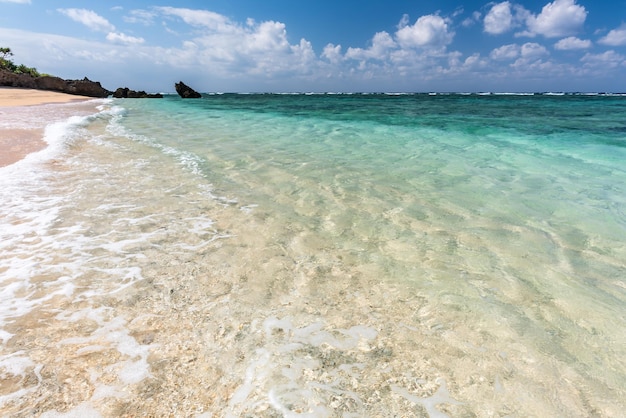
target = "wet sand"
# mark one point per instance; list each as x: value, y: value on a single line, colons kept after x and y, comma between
x: 15, y: 144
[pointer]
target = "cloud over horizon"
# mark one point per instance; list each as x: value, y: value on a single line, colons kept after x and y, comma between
x: 426, y: 50
x: 557, y: 19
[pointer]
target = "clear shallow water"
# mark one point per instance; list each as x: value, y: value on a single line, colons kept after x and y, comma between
x: 320, y: 255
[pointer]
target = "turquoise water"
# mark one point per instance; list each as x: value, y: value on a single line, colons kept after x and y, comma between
x: 323, y: 255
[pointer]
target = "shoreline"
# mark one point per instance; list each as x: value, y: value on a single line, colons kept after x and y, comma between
x: 15, y: 96
x: 17, y: 143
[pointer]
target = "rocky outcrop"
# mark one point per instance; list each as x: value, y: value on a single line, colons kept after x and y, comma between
x: 84, y: 87
x: 186, y: 92
x: 9, y: 79
x: 126, y: 93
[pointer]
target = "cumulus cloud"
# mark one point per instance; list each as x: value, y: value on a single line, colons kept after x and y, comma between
x: 499, y: 19
x: 89, y: 18
x: 473, y: 60
x: 505, y: 52
x: 382, y: 43
x: 571, y: 43
x: 616, y: 37
x: 428, y: 31
x: 120, y: 38
x: 531, y: 61
x: 332, y: 53
x: 557, y: 19
x: 608, y: 59
x: 527, y: 51
x: 533, y: 50
x: 503, y: 17
x: 268, y: 36
x: 249, y: 54
x: 230, y: 47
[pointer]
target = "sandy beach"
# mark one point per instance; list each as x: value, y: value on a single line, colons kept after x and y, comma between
x: 10, y: 96
x: 15, y: 144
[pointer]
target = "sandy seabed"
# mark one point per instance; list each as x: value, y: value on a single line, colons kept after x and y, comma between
x: 151, y: 298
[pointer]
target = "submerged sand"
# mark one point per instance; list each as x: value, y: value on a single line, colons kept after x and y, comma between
x: 138, y: 290
x: 15, y: 144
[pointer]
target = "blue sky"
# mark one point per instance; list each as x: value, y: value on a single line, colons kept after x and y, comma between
x: 321, y: 45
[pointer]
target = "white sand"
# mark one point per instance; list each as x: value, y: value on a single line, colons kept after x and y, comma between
x: 10, y: 96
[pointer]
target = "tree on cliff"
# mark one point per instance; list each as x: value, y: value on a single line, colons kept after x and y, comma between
x: 5, y: 62
x: 8, y: 65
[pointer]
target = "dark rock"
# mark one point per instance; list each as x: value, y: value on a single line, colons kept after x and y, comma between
x: 126, y: 93
x: 186, y: 92
x: 9, y: 79
x: 51, y: 83
x: 121, y: 93
x: 84, y: 87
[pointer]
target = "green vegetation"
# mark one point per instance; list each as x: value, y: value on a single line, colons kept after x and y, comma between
x: 8, y: 65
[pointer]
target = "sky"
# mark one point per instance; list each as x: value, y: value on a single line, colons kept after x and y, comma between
x: 323, y: 45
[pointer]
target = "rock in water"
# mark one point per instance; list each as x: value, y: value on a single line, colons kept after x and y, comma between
x: 186, y: 92
x: 126, y: 93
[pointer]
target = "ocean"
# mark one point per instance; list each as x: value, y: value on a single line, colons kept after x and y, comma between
x: 316, y: 255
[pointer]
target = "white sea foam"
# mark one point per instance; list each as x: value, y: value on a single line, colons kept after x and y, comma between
x: 41, y: 259
x: 112, y: 333
x: 277, y: 374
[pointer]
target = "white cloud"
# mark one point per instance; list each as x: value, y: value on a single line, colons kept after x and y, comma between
x: 203, y: 18
x: 470, y: 21
x: 526, y: 52
x: 504, y: 16
x: 268, y: 36
x: 505, y: 52
x: 332, y: 53
x: 120, y: 38
x: 233, y: 49
x: 214, y: 52
x: 557, y: 19
x: 616, y: 37
x: 89, y: 18
x: 472, y: 60
x: 76, y: 58
x: 382, y: 44
x: 15, y: 1
x: 428, y: 31
x: 606, y: 60
x: 533, y: 50
x: 571, y: 43
x: 145, y: 17
x: 499, y: 19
